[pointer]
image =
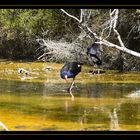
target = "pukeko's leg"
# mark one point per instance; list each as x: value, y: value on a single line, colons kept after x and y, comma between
x: 70, y: 88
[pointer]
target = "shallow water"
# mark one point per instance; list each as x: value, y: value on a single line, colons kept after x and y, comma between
x: 102, y: 102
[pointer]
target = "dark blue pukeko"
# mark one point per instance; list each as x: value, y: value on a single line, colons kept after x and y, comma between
x: 94, y: 51
x: 70, y: 70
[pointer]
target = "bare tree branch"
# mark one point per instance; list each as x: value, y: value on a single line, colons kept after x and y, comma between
x: 116, y: 12
x: 59, y: 50
x: 113, y: 19
x: 79, y: 20
x: 124, y: 49
x: 44, y: 54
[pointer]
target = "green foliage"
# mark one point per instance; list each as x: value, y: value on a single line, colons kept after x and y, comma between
x: 20, y: 27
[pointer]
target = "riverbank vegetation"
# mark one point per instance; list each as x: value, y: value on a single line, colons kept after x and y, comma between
x: 21, y: 30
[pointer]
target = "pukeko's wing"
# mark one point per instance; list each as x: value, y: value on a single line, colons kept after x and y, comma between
x: 95, y: 53
x: 75, y: 67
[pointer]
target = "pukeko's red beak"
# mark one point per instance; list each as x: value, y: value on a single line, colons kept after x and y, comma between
x: 66, y: 77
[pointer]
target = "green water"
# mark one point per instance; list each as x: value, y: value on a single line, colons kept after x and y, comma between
x: 110, y: 101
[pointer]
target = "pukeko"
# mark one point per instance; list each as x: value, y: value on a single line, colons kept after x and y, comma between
x: 94, y: 51
x: 70, y: 70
